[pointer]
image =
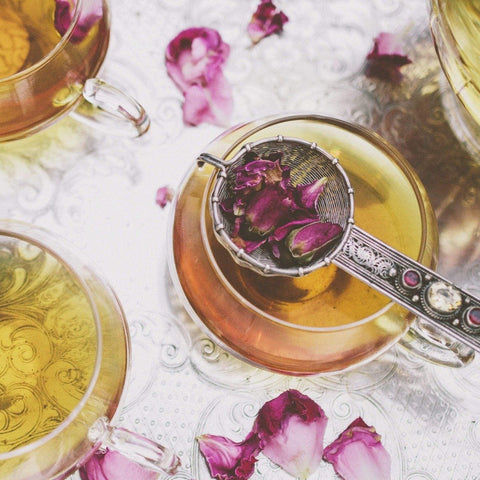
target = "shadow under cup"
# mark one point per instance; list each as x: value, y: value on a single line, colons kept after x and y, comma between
x: 63, y: 355
x: 327, y: 321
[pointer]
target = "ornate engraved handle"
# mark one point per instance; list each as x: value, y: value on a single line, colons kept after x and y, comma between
x: 412, y: 285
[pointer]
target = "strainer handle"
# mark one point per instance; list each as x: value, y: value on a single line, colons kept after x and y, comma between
x: 412, y: 285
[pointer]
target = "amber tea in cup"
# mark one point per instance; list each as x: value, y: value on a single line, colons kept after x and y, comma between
x: 64, y: 351
x: 50, y: 54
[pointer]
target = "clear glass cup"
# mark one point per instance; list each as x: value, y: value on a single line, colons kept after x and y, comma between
x: 326, y: 321
x: 49, y: 61
x: 64, y: 357
x: 455, y: 27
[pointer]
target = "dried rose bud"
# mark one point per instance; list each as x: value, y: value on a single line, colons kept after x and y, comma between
x: 305, y: 242
x: 291, y: 428
x: 229, y: 460
x: 358, y: 454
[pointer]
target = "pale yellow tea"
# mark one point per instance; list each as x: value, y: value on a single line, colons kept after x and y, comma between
x: 48, y: 343
x: 457, y: 37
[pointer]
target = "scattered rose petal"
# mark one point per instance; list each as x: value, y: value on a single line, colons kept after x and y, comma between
x: 291, y: 428
x: 164, y: 195
x: 386, y: 58
x: 229, y: 460
x: 266, y: 20
x: 114, y: 466
x: 91, y: 13
x: 358, y: 454
x: 194, y: 61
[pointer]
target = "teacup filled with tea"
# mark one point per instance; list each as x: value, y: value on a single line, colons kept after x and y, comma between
x: 50, y: 54
x: 64, y: 355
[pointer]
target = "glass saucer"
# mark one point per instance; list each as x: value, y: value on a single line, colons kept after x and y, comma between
x: 326, y: 321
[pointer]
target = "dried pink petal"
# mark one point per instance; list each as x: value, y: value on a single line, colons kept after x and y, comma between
x: 194, y: 60
x: 267, y: 208
x: 266, y: 20
x: 307, y: 195
x: 164, y: 196
x: 386, y: 58
x: 358, y: 454
x: 114, y: 466
x: 91, y: 13
x: 291, y: 428
x: 229, y: 460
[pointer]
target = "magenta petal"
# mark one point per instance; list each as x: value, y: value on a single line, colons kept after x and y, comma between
x: 386, y: 58
x: 267, y: 208
x: 358, y: 454
x: 91, y: 13
x: 266, y: 20
x: 114, y: 466
x: 229, y: 460
x: 307, y: 195
x: 291, y: 428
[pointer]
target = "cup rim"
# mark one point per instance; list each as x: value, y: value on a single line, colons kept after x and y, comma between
x: 23, y: 232
x: 53, y: 52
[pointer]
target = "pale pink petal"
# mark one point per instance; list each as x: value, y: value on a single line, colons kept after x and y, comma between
x: 114, y: 466
x: 291, y: 428
x: 164, y: 195
x: 194, y: 60
x: 229, y: 460
x: 358, y: 454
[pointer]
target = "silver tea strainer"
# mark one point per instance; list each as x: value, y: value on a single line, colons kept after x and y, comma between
x: 405, y: 281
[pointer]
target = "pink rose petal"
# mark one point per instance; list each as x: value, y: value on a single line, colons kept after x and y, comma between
x: 164, y: 196
x: 91, y: 13
x: 358, y: 454
x: 194, y: 60
x: 386, y: 58
x: 114, y: 466
x: 229, y: 460
x: 266, y: 20
x: 291, y: 428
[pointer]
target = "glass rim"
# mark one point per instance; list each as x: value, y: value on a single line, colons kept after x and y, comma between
x: 21, y: 231
x: 53, y: 52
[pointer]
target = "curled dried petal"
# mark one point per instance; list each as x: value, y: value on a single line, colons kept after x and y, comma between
x: 386, y: 58
x: 358, y: 454
x: 266, y: 20
x: 229, y: 460
x: 164, y: 196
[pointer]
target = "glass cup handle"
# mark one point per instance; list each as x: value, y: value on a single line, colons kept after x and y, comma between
x: 435, y: 346
x: 107, y: 108
x: 137, y: 448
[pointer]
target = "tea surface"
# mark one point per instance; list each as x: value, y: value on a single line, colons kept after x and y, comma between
x: 48, y: 343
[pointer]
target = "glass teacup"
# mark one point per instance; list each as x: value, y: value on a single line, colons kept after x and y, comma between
x: 455, y: 27
x: 326, y: 321
x: 50, y: 54
x: 64, y: 356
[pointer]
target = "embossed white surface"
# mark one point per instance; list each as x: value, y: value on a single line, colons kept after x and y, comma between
x: 99, y: 193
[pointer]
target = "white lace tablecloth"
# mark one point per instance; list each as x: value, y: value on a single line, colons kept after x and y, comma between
x: 98, y: 191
